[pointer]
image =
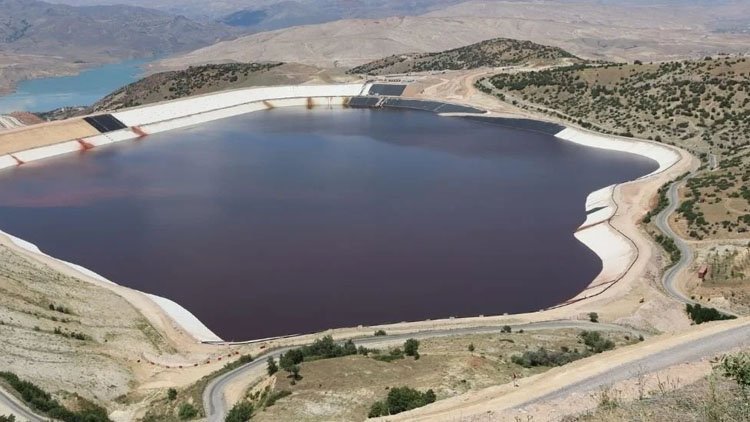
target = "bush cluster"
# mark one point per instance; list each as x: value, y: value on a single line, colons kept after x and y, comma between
x: 41, y: 401
x: 400, y: 400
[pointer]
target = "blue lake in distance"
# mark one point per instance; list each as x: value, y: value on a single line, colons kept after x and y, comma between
x: 84, y: 89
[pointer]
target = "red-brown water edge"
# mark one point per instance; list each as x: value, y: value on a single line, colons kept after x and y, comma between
x: 295, y: 220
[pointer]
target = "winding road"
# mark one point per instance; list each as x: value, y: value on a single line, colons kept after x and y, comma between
x: 686, y: 253
x: 216, y: 406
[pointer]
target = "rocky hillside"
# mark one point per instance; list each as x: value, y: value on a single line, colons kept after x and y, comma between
x: 491, y: 53
x: 36, y: 27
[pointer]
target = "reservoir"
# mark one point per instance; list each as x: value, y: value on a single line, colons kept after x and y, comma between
x: 294, y: 220
x: 84, y: 89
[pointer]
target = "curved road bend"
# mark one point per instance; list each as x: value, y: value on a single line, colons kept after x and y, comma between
x: 21, y: 411
x: 690, y: 351
x: 213, y: 395
x: 686, y: 253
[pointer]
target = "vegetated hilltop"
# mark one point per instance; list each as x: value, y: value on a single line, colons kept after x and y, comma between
x: 700, y: 105
x: 198, y: 80
x: 490, y: 53
x: 191, y: 81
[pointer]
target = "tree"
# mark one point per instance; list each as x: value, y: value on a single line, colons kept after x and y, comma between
x: 507, y: 329
x: 471, y: 347
x: 411, y: 348
x: 380, y: 333
x: 295, y: 373
x: 291, y: 358
x: 187, y: 411
x: 241, y: 412
x: 593, y: 317
x: 272, y: 368
x: 171, y: 394
x: 8, y: 418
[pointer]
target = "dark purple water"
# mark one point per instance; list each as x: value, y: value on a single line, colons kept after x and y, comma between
x: 293, y: 220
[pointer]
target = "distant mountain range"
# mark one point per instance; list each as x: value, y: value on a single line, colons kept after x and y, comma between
x: 37, y: 27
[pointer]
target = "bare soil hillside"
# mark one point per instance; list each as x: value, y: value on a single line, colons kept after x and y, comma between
x: 587, y: 29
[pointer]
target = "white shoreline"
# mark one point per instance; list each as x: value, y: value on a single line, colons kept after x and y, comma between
x: 613, y: 248
x: 616, y: 251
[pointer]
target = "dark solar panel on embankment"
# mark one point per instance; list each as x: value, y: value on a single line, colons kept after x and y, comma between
x: 433, y: 106
x: 387, y: 89
x: 523, y: 124
x: 105, y: 123
x: 364, y: 102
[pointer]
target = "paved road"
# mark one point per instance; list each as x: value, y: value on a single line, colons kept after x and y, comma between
x: 691, y: 351
x: 669, y: 278
x: 686, y: 253
x: 213, y: 395
x: 22, y: 412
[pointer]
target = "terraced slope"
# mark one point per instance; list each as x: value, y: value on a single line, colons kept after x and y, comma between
x: 496, y: 52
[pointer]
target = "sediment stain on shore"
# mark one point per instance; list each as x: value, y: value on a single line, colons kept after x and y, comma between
x: 296, y: 220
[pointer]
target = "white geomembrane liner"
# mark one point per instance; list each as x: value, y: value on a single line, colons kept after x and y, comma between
x: 211, y: 102
x: 179, y: 315
x: 48, y: 151
x: 7, y: 161
x: 664, y: 156
x: 601, y: 199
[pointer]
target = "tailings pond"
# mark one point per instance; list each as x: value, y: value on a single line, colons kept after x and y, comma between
x: 296, y: 220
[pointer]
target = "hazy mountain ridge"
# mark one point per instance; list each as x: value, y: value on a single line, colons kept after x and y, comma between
x: 31, y: 26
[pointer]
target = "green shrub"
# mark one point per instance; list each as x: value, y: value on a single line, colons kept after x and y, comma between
x: 400, y: 400
x: 43, y: 402
x: 271, y: 366
x: 699, y: 314
x: 171, y: 394
x: 240, y: 412
x: 187, y: 411
x: 411, y: 348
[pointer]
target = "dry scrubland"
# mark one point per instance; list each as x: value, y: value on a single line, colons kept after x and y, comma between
x: 64, y: 334
x: 700, y: 105
x: 727, y: 283
x: 345, y: 388
x: 497, y: 52
x: 714, y: 398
